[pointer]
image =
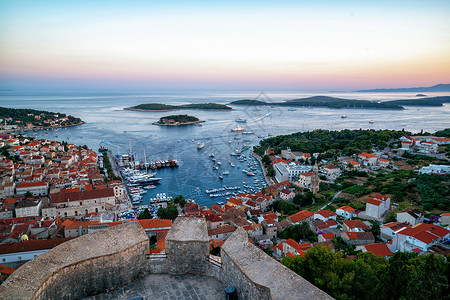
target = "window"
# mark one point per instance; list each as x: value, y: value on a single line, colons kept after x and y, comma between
x: 19, y: 258
x: 4, y: 259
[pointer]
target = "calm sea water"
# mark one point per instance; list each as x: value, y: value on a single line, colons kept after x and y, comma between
x: 107, y: 121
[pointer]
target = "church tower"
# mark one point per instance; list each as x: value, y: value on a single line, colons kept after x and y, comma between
x: 315, y: 180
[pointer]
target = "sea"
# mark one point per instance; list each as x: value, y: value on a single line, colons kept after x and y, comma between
x: 125, y: 131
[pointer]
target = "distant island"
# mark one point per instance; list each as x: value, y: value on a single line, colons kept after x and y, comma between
x: 178, y: 120
x: 430, y: 101
x: 166, y: 107
x: 323, y: 101
x: 333, y: 102
x: 434, y: 88
x: 28, y: 119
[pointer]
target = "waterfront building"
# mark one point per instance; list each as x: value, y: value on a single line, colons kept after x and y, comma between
x: 291, y: 172
x: 81, y: 203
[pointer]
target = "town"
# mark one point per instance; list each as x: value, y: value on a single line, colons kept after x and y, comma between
x: 350, y: 203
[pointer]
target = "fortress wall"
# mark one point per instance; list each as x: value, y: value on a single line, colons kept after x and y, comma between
x: 255, y: 275
x: 187, y: 246
x: 83, y: 266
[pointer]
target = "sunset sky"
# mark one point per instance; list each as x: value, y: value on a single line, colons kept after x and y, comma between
x: 223, y: 45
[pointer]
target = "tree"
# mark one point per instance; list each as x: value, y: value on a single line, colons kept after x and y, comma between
x: 270, y: 172
x: 215, y: 250
x: 145, y: 215
x: 28, y: 194
x: 170, y: 213
x: 266, y: 160
x: 297, y: 232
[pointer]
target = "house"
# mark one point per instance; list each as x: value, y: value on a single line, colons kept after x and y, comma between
x: 221, y: 233
x: 270, y: 227
x: 254, y: 230
x: 28, y: 208
x: 347, y: 212
x: 302, y: 216
x: 410, y: 216
x: 27, y: 250
x: 358, y: 238
x: 445, y: 219
x: 36, y: 188
x: 304, y: 179
x: 368, y: 159
x: 291, y: 246
x: 319, y: 225
x: 378, y: 249
x: 192, y: 209
x: 325, y: 237
x: 378, y: 206
x: 286, y: 194
x: 435, y: 169
x: 389, y: 230
x: 383, y: 162
x: 421, y: 236
x: 234, y: 202
x: 214, y: 221
x: 353, y: 164
x: 79, y: 203
x: 332, y: 172
x: 325, y: 215
x: 428, y: 147
x: 354, y: 226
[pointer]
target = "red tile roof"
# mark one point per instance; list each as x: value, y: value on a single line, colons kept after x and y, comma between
x: 301, y: 216
x: 31, y: 245
x: 355, y: 224
x: 379, y: 249
x: 81, y: 195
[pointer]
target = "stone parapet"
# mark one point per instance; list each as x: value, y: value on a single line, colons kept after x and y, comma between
x: 255, y: 275
x: 90, y: 264
x: 187, y: 246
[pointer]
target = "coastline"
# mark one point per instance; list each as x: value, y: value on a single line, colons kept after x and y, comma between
x: 42, y: 128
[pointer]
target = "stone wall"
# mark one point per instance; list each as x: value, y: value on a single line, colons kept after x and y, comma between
x: 187, y: 246
x: 255, y: 275
x: 86, y: 265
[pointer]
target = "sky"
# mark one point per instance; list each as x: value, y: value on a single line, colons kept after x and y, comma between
x: 223, y: 45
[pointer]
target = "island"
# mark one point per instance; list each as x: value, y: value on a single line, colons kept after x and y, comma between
x: 430, y: 101
x: 28, y: 119
x: 323, y: 101
x: 178, y: 120
x: 166, y: 107
x: 333, y: 102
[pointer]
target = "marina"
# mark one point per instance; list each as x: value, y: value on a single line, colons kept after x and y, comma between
x: 192, y: 170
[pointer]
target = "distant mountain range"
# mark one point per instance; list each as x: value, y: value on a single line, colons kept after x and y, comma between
x: 434, y: 88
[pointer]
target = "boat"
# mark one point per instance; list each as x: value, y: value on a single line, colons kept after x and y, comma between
x: 219, y: 163
x: 291, y: 109
x: 239, y: 120
x: 148, y: 187
x: 226, y: 173
x: 211, y: 155
x: 220, y: 177
x: 250, y: 174
x: 248, y: 132
x: 200, y: 146
x: 371, y: 121
x: 344, y: 116
x: 238, y: 129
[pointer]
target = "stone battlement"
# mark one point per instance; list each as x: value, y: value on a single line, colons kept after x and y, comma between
x: 111, y: 257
